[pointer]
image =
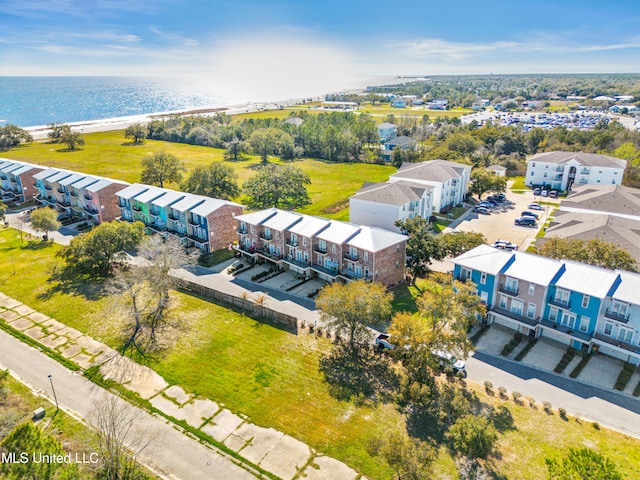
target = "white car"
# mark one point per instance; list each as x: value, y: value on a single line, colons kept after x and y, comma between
x: 445, y: 359
x: 536, y: 206
x: 505, y: 245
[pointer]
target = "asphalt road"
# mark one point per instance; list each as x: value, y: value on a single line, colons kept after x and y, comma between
x: 608, y: 408
x: 171, y: 453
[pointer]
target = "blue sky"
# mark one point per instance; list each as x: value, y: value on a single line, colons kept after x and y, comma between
x: 247, y: 42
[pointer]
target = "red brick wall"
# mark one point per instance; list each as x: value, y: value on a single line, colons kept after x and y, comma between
x: 386, y: 271
x: 107, y: 198
x: 27, y: 180
x: 223, y: 226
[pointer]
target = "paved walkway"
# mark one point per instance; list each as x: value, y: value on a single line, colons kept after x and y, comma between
x: 272, y: 450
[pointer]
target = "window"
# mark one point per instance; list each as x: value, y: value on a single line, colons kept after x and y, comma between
x: 333, y: 248
x: 304, y: 241
x: 322, y: 245
x: 365, y: 255
x: 517, y: 306
x: 619, y: 309
x: 625, y: 334
x: 465, y: 274
x: 585, y: 301
x: 584, y: 324
x: 533, y: 165
x: 545, y: 175
x: 568, y: 320
x: 484, y: 296
x: 531, y: 310
x: 483, y: 278
x: 608, y: 328
x: 562, y: 296
x: 532, y: 289
x: 503, y: 302
x: 553, y: 314
x: 511, y: 284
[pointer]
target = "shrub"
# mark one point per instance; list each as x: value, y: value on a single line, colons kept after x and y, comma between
x: 629, y: 367
x: 583, y: 363
x: 503, y: 392
x: 517, y: 397
x: 636, y: 391
x: 562, y: 412
x: 546, y: 406
x: 532, y: 402
x: 488, y: 387
x: 526, y: 349
x: 623, y: 379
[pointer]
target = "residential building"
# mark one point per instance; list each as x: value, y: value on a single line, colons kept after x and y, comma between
x: 628, y: 108
x: 561, y: 170
x: 16, y: 180
x: 387, y: 131
x: 383, y: 204
x: 438, y: 104
x: 498, y: 170
x: 322, y: 248
x: 398, y: 102
x: 585, y: 307
x: 402, y: 142
x: 615, y: 200
x: 450, y: 180
x: 197, y: 221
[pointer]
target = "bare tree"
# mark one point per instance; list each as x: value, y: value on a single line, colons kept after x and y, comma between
x: 119, y: 443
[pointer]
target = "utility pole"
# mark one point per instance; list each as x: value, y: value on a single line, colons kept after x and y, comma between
x: 54, y: 393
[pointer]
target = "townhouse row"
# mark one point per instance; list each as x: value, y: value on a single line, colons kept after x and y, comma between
x: 586, y: 307
x: 197, y: 221
x: 318, y: 247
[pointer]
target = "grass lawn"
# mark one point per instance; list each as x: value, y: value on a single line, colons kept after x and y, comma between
x: 109, y: 154
x: 412, y: 112
x: 518, y: 183
x: 273, y: 376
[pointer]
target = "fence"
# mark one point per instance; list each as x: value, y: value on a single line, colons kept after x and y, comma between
x: 249, y: 307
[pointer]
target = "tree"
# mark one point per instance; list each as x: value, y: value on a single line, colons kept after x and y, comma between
x: 268, y: 141
x: 161, y: 167
x: 11, y: 135
x: 422, y: 247
x: 594, y: 252
x: 98, y: 251
x: 277, y: 186
x: 445, y: 314
x: 473, y: 436
x: 216, y: 181
x: 114, y: 422
x: 482, y: 181
x: 234, y: 149
x: 57, y: 130
x: 45, y: 220
x: 457, y: 243
x: 137, y: 131
x: 582, y: 464
x: 350, y: 308
x: 31, y: 440
x: 410, y: 459
x: 71, y: 139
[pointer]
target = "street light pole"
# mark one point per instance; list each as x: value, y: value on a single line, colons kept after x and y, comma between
x: 54, y: 392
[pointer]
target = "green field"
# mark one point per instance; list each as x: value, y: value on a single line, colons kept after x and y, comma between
x: 417, y: 112
x: 273, y: 376
x: 109, y: 154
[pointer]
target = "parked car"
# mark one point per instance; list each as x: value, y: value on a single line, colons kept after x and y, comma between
x: 527, y: 213
x: 553, y: 194
x: 535, y: 206
x: 497, y: 197
x: 536, y: 191
x: 544, y: 193
x: 382, y: 342
x: 526, y: 222
x: 505, y: 245
x: 482, y: 209
x: 446, y: 360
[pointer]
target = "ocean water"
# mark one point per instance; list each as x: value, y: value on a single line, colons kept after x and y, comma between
x: 32, y: 101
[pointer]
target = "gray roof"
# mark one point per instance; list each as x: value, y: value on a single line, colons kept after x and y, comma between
x: 391, y: 193
x: 309, y: 226
x: 532, y: 268
x: 433, y: 170
x: 256, y: 218
x: 401, y: 141
x: 282, y: 220
x: 132, y: 191
x: 338, y: 232
x: 605, y: 198
x: 85, y: 182
x: 46, y: 173
x: 188, y: 202
x: 71, y: 179
x: 587, y: 279
x: 497, y: 168
x: 211, y: 205
x: 151, y: 193
x: 629, y: 287
x: 374, y: 239
x: 386, y: 125
x: 60, y: 175
x: 24, y: 169
x: 622, y: 232
x: 167, y: 198
x: 584, y: 159
x: 484, y: 258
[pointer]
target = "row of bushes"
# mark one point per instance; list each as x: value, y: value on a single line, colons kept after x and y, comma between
x: 583, y: 363
x: 532, y: 342
x: 260, y: 275
x: 513, y: 343
x: 565, y: 360
x: 624, y: 377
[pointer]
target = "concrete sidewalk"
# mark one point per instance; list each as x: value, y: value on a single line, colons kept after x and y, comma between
x: 273, y: 451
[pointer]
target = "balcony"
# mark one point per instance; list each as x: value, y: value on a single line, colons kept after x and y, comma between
x: 174, y: 217
x: 61, y: 190
x: 298, y: 263
x: 518, y: 317
x: 136, y: 208
x: 509, y: 290
x: 618, y: 317
x: 351, y: 256
x: 14, y: 180
x: 351, y: 275
x: 320, y: 250
x: 601, y: 338
x: 274, y: 257
x: 199, y: 240
x: 585, y: 337
x: 266, y: 236
x: 329, y: 271
x: 292, y: 243
x: 48, y: 188
x: 556, y: 302
x: 584, y: 171
x: 242, y: 230
x: 73, y: 193
x: 191, y: 221
x: 64, y: 203
x: 88, y: 196
x: 91, y: 210
x: 560, y: 169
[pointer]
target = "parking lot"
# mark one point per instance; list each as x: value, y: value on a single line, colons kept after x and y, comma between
x: 500, y: 223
